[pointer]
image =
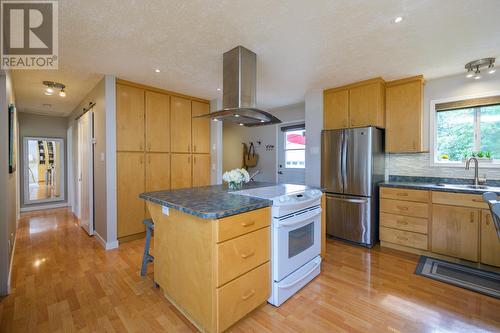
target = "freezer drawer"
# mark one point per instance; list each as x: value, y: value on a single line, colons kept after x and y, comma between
x: 350, y: 218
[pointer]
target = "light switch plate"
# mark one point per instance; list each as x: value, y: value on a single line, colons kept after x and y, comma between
x: 165, y: 210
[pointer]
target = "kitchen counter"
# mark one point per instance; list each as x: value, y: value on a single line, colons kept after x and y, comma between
x: 431, y: 183
x: 210, y: 202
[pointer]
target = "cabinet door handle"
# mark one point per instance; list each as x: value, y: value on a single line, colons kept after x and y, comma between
x: 402, y: 222
x: 402, y: 194
x: 247, y: 224
x: 194, y: 159
x: 478, y: 200
x: 402, y: 238
x: 189, y: 159
x: 402, y: 208
x: 140, y: 146
x: 488, y: 216
x: 248, y: 255
x: 248, y: 295
x: 472, y: 217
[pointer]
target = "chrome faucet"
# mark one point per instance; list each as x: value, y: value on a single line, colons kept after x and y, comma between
x: 476, y: 169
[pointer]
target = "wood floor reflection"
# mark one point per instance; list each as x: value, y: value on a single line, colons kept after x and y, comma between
x: 63, y: 281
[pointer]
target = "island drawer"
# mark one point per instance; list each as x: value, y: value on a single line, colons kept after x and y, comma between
x: 459, y: 199
x: 408, y: 208
x: 404, y: 194
x: 242, y: 254
x: 240, y: 224
x: 405, y: 238
x: 239, y: 297
x: 407, y: 223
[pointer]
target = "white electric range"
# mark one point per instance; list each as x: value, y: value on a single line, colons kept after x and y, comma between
x: 295, y: 236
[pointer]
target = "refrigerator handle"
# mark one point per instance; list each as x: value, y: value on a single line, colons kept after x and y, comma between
x: 344, y: 160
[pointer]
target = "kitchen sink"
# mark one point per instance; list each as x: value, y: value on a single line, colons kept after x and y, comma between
x: 471, y: 187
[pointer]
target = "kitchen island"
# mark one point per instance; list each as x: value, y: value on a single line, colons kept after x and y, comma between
x: 212, y: 252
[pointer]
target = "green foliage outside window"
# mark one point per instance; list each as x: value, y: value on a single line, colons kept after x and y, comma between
x: 456, y: 133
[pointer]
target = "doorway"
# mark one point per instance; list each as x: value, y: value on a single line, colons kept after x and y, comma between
x: 43, y: 170
x: 291, y: 153
x: 85, y: 172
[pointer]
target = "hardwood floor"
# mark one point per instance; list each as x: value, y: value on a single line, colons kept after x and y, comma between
x: 63, y: 281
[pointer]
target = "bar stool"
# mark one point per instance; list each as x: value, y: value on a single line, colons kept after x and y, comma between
x: 147, y: 258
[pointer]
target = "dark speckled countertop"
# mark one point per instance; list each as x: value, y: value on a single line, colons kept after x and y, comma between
x: 211, y: 202
x: 431, y: 183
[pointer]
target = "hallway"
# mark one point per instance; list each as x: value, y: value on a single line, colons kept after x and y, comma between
x: 64, y: 281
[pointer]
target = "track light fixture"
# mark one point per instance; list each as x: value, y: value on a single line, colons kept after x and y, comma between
x: 54, y: 85
x: 474, y: 67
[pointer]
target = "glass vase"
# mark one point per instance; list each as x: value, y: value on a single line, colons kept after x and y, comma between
x: 235, y: 185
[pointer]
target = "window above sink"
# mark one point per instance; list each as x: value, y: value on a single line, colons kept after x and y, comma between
x: 467, y: 127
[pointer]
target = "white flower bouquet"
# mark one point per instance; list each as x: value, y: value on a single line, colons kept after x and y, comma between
x: 235, y: 178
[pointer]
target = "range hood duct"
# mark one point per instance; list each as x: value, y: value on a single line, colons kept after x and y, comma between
x: 239, y: 91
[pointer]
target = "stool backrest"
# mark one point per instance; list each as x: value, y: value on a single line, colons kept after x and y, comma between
x: 493, y: 202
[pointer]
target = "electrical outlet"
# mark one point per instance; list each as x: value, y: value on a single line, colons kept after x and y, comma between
x: 165, y: 210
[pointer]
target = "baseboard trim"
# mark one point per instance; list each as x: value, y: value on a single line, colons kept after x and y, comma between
x: 44, y: 207
x: 10, y: 266
x: 106, y: 245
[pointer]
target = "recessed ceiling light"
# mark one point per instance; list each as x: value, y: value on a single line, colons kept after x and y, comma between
x: 241, y: 124
x: 157, y: 70
x: 219, y: 89
x: 215, y: 119
x: 237, y: 115
x: 398, y: 19
x: 47, y: 92
x: 62, y: 93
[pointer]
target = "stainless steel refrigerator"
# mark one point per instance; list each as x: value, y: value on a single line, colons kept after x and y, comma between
x: 352, y: 165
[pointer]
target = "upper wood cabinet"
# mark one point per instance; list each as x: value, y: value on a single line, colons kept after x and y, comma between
x: 130, y: 183
x: 129, y: 118
x: 157, y: 122
x: 201, y: 170
x: 180, y: 118
x: 336, y: 105
x: 367, y: 104
x: 200, y: 127
x: 404, y: 115
x: 455, y: 231
x: 490, y: 245
x: 180, y: 171
x: 356, y: 105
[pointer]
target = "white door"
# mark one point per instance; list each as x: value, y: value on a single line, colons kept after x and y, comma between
x: 86, y: 173
x: 291, y: 153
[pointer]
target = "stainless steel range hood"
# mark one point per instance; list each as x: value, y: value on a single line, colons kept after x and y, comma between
x: 239, y: 91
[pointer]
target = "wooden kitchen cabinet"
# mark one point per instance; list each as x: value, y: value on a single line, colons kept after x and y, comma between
x: 490, y: 244
x: 336, y: 109
x: 367, y: 104
x: 200, y: 128
x: 180, y: 131
x: 455, y: 231
x: 129, y: 118
x: 404, y: 115
x: 157, y: 122
x: 355, y: 105
x: 180, y: 171
x: 157, y: 172
x: 201, y: 170
x: 130, y: 183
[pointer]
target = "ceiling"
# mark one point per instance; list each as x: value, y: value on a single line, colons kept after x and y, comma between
x: 300, y: 45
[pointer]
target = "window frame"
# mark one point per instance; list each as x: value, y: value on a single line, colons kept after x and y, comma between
x: 434, y: 162
x: 284, y: 133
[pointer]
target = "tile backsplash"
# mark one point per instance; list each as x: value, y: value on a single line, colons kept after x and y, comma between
x: 419, y: 165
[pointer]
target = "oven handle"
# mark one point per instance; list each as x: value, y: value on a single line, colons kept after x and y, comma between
x: 299, y: 219
x: 288, y: 285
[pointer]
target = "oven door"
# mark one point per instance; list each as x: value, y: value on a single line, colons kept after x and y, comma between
x: 296, y: 241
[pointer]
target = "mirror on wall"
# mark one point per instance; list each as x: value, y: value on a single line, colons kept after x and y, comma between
x: 43, y: 170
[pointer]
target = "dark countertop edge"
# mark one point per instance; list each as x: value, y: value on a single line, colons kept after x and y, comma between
x: 210, y: 215
x: 432, y: 187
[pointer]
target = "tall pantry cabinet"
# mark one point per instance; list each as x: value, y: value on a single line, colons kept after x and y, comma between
x: 159, y: 147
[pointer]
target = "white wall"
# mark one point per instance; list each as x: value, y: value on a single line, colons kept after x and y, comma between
x: 9, y: 186
x: 314, y: 125
x: 235, y: 135
x: 447, y: 87
x: 103, y: 95
x: 216, y: 145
